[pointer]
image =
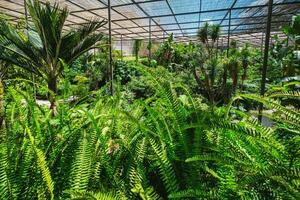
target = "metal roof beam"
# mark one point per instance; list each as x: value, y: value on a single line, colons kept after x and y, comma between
x: 167, y: 1
x: 206, y: 11
x: 227, y: 13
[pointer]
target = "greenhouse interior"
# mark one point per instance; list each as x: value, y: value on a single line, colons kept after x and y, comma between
x: 150, y: 99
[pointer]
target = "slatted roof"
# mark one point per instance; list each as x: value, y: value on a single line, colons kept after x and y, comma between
x: 131, y: 18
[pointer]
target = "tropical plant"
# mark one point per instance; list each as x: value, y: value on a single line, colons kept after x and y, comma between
x: 156, y: 138
x: 208, y: 35
x: 45, y: 43
x: 174, y: 146
x: 233, y: 64
x: 136, y: 48
x: 294, y: 29
x: 165, y: 53
x: 206, y: 60
x: 245, y: 55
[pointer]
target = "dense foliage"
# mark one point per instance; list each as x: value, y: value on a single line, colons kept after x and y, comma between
x: 40, y: 48
x: 182, y: 125
x: 169, y: 145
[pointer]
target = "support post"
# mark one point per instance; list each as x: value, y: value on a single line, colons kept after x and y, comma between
x: 111, y: 72
x: 27, y: 29
x: 228, y: 39
x: 217, y: 53
x: 266, y: 57
x: 150, y: 44
x: 224, y: 83
x: 121, y: 47
x: 200, y: 9
x: 262, y: 42
x: 222, y: 43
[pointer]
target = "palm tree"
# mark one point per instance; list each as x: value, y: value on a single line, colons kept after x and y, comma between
x: 203, y: 33
x: 208, y: 34
x: 233, y: 64
x: 46, y: 44
x: 214, y: 33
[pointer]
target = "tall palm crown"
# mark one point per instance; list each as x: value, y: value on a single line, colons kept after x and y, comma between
x: 208, y: 35
x: 45, y: 43
x: 215, y: 32
x: 209, y: 32
x: 203, y: 33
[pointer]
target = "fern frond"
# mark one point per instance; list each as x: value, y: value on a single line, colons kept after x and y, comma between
x: 6, y: 184
x: 42, y: 164
x: 81, y: 168
x: 165, y: 167
x: 268, y: 102
x: 88, y: 195
x: 286, y: 94
x: 193, y: 193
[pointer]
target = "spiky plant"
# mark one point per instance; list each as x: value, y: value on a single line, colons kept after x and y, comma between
x: 45, y: 43
x: 203, y: 33
x: 208, y: 61
x: 215, y: 33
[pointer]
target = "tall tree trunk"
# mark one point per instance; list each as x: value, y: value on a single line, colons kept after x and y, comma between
x: 224, y: 76
x: 52, y: 86
x: 2, y: 109
x: 137, y: 56
x: 197, y: 78
x: 234, y: 76
x: 206, y: 86
x: 244, y: 77
x: 224, y: 83
x: 212, y: 76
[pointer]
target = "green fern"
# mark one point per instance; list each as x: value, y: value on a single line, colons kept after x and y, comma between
x: 165, y: 167
x: 81, y: 169
x: 7, y: 190
x: 42, y: 164
x: 87, y: 195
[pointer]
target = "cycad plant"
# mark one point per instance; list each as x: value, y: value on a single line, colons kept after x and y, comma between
x: 45, y: 43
